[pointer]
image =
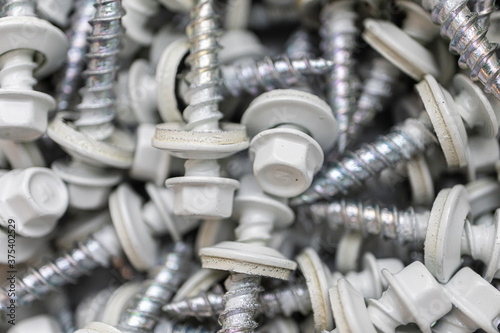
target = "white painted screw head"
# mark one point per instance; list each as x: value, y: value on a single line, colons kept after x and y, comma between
x: 291, y: 129
x: 34, y: 198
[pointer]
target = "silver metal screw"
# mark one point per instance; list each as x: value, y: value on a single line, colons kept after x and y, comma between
x: 407, y: 226
x: 269, y: 74
x: 94, y: 252
x: 144, y: 310
x: 401, y: 143
x: 468, y: 39
x: 75, y: 62
x: 286, y: 301
x: 97, y: 109
x: 339, y: 32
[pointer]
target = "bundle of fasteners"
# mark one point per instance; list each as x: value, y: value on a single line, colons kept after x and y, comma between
x: 249, y: 166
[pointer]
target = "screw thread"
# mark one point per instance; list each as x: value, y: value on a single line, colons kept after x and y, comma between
x: 269, y: 74
x: 377, y: 88
x: 97, y: 109
x: 75, y: 60
x: 144, y: 310
x: 401, y: 144
x: 66, y: 268
x: 240, y: 304
x: 370, y: 219
x: 483, y: 8
x: 203, y: 305
x: 204, y: 92
x: 19, y: 7
x: 286, y: 301
x: 339, y: 33
x: 468, y: 39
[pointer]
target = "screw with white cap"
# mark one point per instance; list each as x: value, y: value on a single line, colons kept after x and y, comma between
x: 295, y: 297
x: 32, y: 201
x: 409, y: 139
x: 248, y: 259
x: 406, y: 300
x: 38, y: 51
x: 90, y: 137
x: 450, y: 235
x: 290, y: 130
x: 202, y: 191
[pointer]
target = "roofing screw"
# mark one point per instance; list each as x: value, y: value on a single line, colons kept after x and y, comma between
x: 411, y: 138
x: 90, y: 136
x: 399, y: 305
x: 143, y: 312
x: 468, y: 39
x: 401, y: 144
x: 42, y: 51
x: 258, y: 214
x: 295, y: 297
x: 202, y: 192
x: 407, y: 226
x: 75, y: 59
x: 96, y: 251
x: 339, y: 33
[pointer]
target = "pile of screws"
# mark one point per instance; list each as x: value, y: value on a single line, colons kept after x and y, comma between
x: 174, y: 166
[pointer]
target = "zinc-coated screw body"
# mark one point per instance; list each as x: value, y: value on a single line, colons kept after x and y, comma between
x: 401, y: 143
x: 144, y: 310
x: 468, y: 39
x: 167, y: 326
x: 483, y: 8
x: 339, y: 32
x: 240, y: 304
x: 95, y: 251
x: 407, y: 226
x: 75, y: 61
x: 269, y: 74
x: 286, y: 301
x: 97, y: 109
